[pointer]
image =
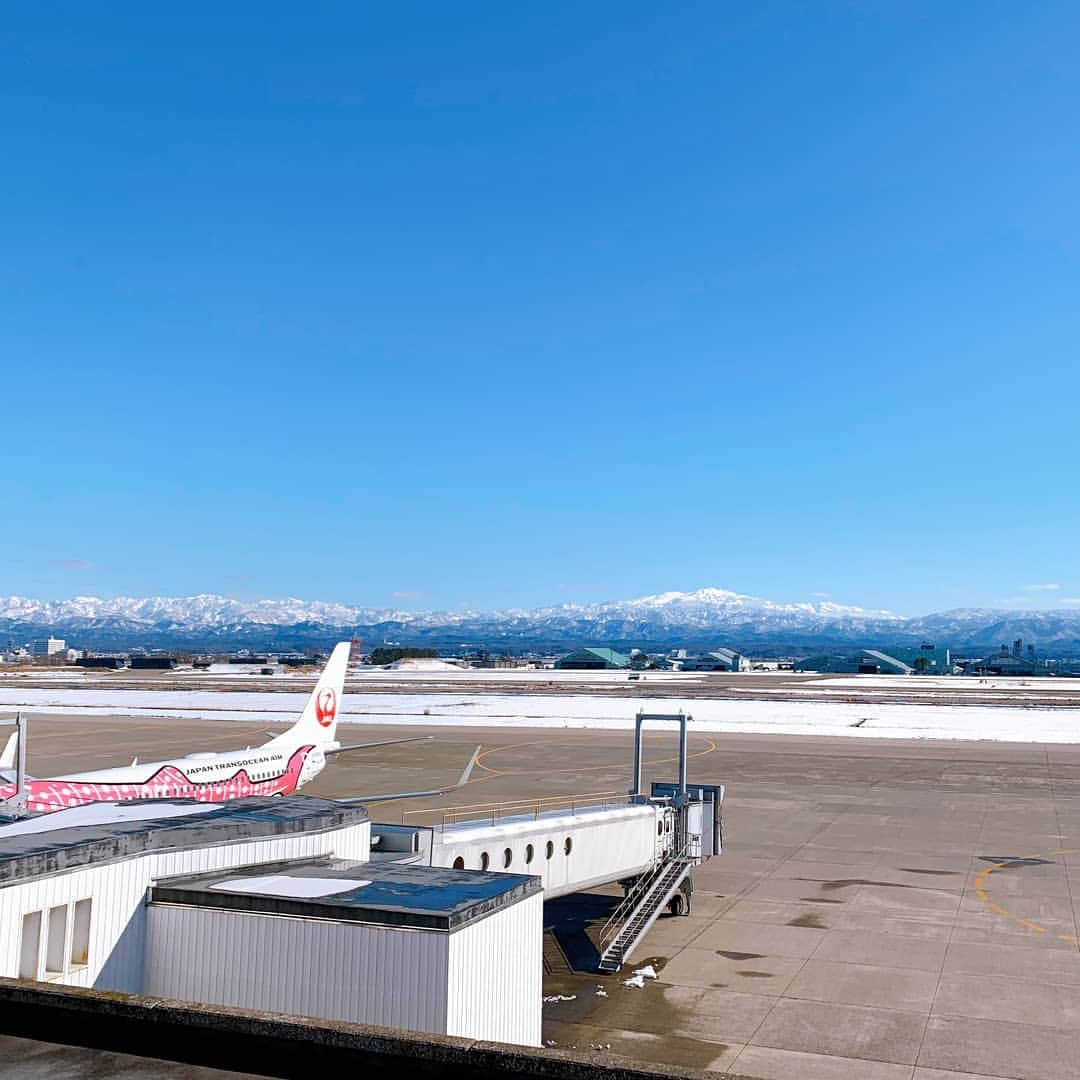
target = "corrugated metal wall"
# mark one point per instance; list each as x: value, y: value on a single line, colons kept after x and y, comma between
x: 309, y: 967
x: 496, y: 976
x: 115, y: 957
x: 605, y: 845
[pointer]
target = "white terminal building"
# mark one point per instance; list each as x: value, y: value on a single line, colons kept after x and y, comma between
x: 49, y: 646
x: 299, y: 905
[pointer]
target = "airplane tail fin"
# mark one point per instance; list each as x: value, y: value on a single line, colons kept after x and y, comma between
x: 318, y: 721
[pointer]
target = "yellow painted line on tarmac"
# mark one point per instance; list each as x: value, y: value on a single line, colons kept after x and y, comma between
x: 981, y: 893
x: 1032, y: 926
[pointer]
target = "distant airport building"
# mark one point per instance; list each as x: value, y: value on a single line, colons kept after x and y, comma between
x: 153, y: 663
x: 1015, y: 661
x: 593, y: 659
x: 107, y: 663
x: 49, y: 646
x: 925, y: 659
x: 715, y: 660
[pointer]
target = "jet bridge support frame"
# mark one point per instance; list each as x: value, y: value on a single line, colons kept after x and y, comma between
x: 680, y: 718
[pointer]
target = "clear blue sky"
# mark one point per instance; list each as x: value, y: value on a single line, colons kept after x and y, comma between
x: 497, y: 305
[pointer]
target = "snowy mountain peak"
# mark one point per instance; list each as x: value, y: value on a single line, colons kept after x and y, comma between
x: 701, y: 617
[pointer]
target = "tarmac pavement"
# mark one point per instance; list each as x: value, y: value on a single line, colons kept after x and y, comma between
x: 896, y: 910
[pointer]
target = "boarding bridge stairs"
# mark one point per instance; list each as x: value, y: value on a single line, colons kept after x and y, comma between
x: 632, y: 919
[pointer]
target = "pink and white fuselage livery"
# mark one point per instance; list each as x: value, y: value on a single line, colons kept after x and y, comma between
x: 285, y: 763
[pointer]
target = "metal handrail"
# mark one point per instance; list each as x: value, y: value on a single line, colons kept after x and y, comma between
x: 637, y: 892
x: 453, y: 815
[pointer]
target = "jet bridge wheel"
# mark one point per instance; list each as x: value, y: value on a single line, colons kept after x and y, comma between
x: 680, y: 903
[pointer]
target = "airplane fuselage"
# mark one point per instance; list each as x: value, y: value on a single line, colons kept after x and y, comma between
x: 205, y: 777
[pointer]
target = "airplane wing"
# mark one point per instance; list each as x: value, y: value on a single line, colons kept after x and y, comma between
x: 367, y: 745
x: 387, y: 797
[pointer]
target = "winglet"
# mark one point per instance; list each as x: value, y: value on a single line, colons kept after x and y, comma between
x: 11, y: 748
x: 390, y: 796
x: 469, y: 768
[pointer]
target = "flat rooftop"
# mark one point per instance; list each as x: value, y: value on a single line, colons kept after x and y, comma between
x: 386, y: 894
x: 103, y: 833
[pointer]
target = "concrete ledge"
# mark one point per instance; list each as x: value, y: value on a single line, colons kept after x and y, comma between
x: 275, y: 1045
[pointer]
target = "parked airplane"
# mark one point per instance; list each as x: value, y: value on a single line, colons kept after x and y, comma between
x: 279, y: 767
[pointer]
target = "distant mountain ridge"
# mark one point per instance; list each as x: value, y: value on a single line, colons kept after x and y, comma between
x: 701, y: 618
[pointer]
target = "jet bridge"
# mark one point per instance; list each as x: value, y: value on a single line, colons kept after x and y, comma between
x: 648, y: 842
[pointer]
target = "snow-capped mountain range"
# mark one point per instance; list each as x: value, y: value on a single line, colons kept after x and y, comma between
x: 705, y: 617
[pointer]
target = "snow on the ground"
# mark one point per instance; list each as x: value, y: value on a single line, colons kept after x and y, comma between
x: 423, y: 664
x: 949, y: 682
x: 1014, y: 723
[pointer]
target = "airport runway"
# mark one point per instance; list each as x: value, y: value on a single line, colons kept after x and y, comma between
x: 769, y: 686
x: 884, y: 910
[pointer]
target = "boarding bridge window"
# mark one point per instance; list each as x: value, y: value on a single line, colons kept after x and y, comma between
x: 56, y: 947
x: 508, y: 857
x: 80, y: 934
x: 459, y: 863
x: 30, y: 948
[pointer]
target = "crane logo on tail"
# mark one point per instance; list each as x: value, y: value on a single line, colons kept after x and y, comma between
x: 326, y: 706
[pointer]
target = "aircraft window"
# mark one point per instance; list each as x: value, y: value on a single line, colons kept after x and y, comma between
x: 80, y: 933
x: 660, y: 827
x: 550, y: 849
x: 569, y: 845
x: 459, y: 863
x: 508, y: 857
x: 528, y: 853
x: 484, y: 860
x: 30, y: 948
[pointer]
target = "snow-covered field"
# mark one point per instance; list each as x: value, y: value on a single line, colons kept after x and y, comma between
x: 587, y: 710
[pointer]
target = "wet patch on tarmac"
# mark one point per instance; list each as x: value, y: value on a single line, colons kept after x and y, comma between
x: 730, y: 954
x: 623, y: 1021
x: 810, y: 920
x: 1014, y: 862
x: 848, y: 883
x: 913, y: 870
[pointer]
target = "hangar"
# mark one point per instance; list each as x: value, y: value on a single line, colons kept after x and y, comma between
x: 719, y: 659
x: 593, y: 659
x: 926, y: 659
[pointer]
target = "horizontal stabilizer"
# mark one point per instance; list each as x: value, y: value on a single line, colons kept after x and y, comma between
x: 368, y: 745
x: 388, y: 797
